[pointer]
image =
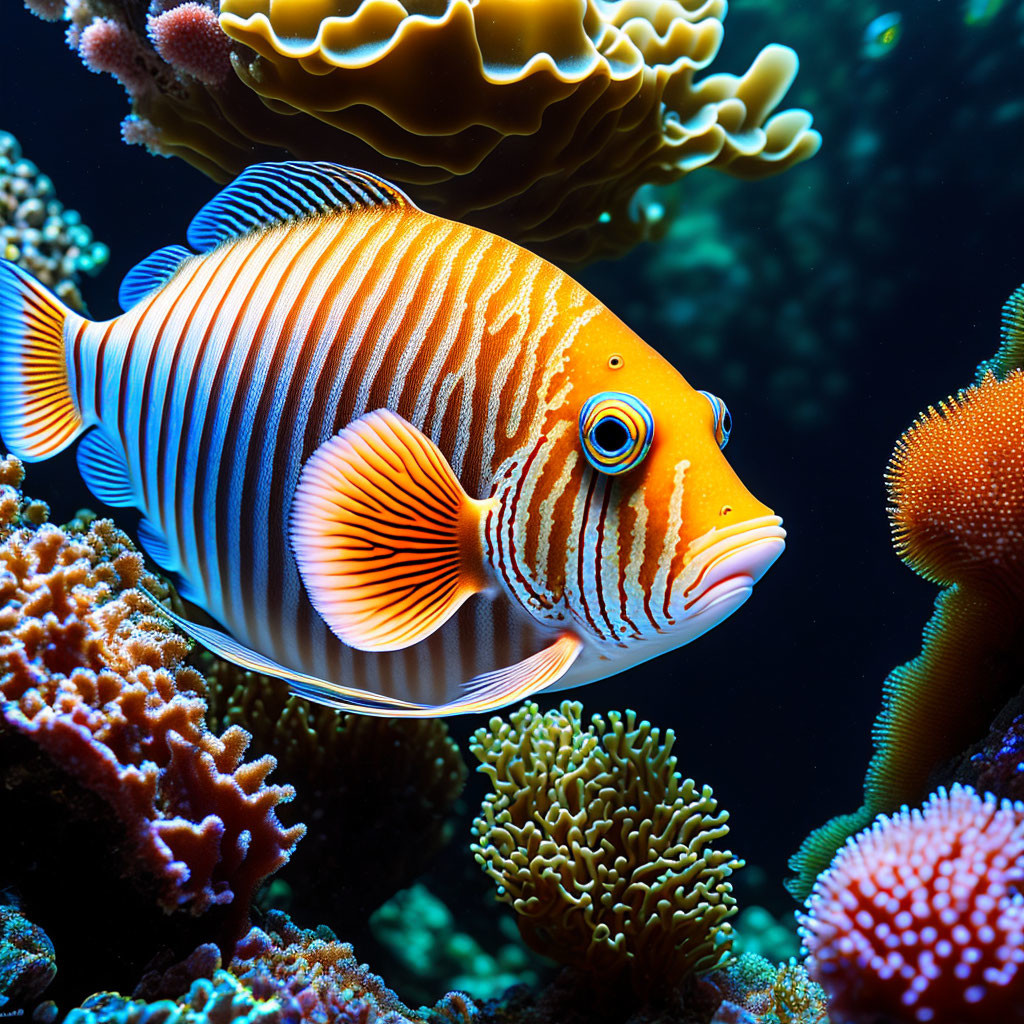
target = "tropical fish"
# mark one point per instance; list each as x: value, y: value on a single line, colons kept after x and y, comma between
x: 411, y: 467
x: 882, y: 34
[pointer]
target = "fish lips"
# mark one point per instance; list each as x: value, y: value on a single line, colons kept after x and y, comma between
x: 729, y: 568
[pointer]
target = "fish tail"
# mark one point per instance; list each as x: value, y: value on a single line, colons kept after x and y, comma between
x: 38, y: 412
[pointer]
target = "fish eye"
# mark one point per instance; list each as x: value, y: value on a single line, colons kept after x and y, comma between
x: 723, y: 418
x: 615, y: 361
x: 616, y: 431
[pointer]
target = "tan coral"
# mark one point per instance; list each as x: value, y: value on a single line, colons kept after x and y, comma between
x: 536, y: 119
x: 586, y: 100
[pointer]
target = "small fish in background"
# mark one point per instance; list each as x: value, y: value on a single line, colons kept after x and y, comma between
x: 412, y: 468
x: 981, y: 12
x: 881, y: 35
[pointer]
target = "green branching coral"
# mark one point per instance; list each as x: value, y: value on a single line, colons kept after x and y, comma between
x: 608, y: 855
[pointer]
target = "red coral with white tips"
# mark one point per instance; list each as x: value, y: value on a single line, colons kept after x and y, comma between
x: 190, y: 39
x: 921, y: 916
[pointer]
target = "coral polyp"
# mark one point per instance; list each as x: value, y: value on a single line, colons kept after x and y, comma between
x: 956, y: 487
x: 921, y: 916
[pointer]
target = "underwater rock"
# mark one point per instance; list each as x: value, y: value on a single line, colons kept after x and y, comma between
x: 919, y: 917
x: 370, y: 832
x: 956, y: 494
x: 37, y: 233
x: 28, y: 963
x: 104, y: 750
x: 607, y: 854
x: 538, y: 122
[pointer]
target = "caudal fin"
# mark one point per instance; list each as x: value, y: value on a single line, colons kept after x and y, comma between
x: 38, y: 413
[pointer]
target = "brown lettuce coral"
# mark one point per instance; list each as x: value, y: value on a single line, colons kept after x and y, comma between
x: 539, y: 121
x: 610, y: 857
x: 103, y: 736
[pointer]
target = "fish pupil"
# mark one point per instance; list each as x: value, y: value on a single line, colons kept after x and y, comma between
x: 611, y: 436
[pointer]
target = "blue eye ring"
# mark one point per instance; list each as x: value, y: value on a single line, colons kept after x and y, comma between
x: 616, y: 431
x: 723, y: 419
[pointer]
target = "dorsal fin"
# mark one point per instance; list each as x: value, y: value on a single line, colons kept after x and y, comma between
x: 267, y: 194
x: 151, y: 273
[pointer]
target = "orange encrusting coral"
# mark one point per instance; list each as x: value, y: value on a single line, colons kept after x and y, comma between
x: 956, y: 483
x: 956, y: 504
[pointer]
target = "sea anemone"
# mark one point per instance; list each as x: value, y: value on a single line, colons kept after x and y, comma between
x: 921, y: 916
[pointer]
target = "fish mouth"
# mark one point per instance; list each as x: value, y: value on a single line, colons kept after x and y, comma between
x: 723, y: 565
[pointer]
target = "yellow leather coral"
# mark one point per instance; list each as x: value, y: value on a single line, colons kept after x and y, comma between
x: 608, y: 855
x: 536, y: 119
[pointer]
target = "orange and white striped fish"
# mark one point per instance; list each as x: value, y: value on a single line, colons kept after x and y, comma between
x: 411, y: 467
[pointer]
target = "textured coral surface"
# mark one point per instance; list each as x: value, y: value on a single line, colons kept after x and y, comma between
x: 756, y: 991
x: 281, y: 974
x: 37, y: 233
x: 956, y: 491
x: 921, y: 917
x: 609, y: 857
x: 102, y: 730
x: 537, y: 121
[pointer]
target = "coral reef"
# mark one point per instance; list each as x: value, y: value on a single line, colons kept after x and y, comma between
x: 586, y: 100
x: 756, y: 991
x: 371, y: 831
x: 37, y: 233
x: 920, y: 917
x: 607, y: 854
x: 956, y: 492
x: 281, y: 975
x: 102, y: 737
x: 27, y: 960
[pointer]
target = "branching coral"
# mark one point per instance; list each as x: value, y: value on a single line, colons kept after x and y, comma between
x: 921, y: 917
x: 371, y: 832
x: 37, y: 233
x: 538, y: 121
x: 956, y: 490
x: 102, y: 728
x: 608, y: 856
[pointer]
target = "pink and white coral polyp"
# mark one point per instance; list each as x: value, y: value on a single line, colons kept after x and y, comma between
x: 921, y: 916
x: 189, y: 37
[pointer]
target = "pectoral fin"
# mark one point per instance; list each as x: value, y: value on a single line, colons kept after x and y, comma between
x: 386, y: 540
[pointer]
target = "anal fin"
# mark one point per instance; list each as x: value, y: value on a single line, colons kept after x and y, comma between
x: 513, y: 683
x: 155, y: 545
x: 104, y: 470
